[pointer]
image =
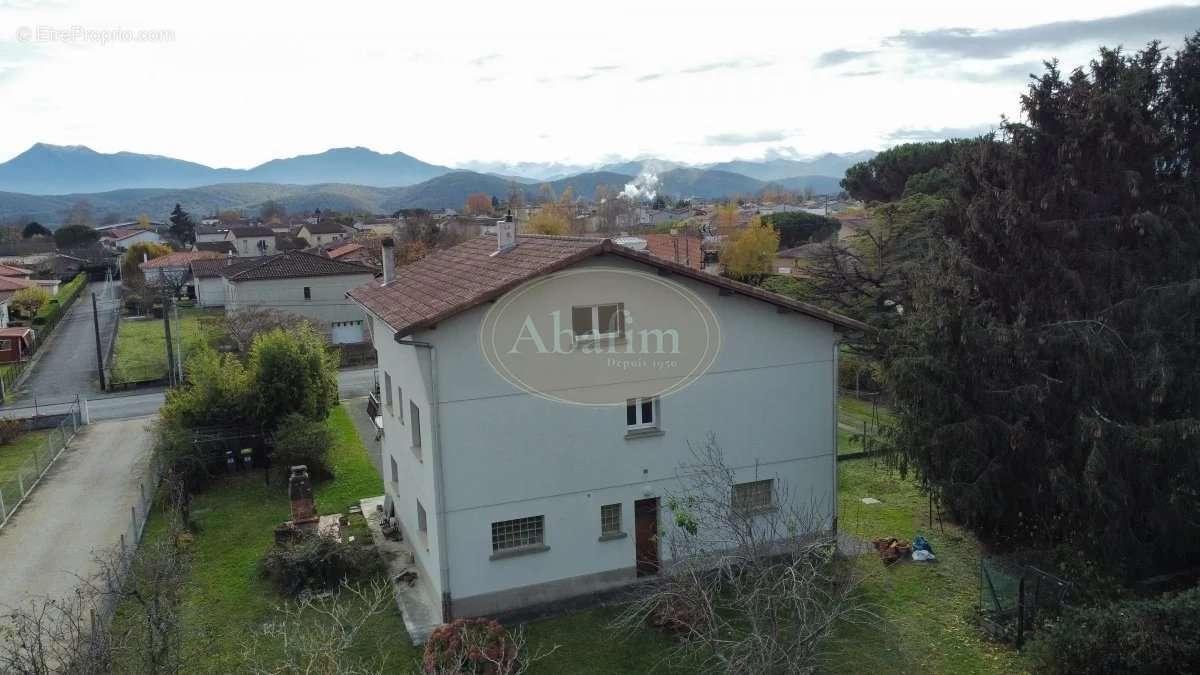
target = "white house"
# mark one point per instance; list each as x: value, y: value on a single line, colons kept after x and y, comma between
x: 173, y: 269
x: 296, y: 282
x: 252, y: 240
x: 321, y: 233
x: 122, y: 238
x: 516, y: 496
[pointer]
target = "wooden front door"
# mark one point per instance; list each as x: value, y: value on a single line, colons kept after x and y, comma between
x: 645, y: 516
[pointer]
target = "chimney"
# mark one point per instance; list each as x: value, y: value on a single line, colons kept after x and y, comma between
x: 389, y: 261
x: 304, y: 512
x: 506, y: 233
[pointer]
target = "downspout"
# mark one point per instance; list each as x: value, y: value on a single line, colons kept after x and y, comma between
x: 837, y: 341
x: 439, y: 497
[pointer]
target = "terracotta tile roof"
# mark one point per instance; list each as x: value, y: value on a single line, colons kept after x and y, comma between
x: 211, y: 267
x: 251, y: 231
x: 215, y: 246
x: 685, y: 252
x: 15, y: 283
x: 122, y: 233
x: 291, y: 265
x: 456, y: 279
x: 337, y: 252
x: 10, y: 271
x: 327, y: 227
x: 177, y: 259
x: 15, y: 332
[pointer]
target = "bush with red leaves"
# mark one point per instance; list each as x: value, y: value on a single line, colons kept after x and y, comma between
x: 470, y: 647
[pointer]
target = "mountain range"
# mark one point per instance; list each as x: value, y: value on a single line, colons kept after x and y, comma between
x: 43, y: 182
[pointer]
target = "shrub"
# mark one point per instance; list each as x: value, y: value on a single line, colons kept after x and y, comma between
x: 300, y: 440
x: 28, y: 301
x: 470, y: 647
x: 10, y: 430
x: 319, y: 563
x: 1132, y: 636
x: 291, y: 371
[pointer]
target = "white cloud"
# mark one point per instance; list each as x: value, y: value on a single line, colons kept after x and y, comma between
x: 242, y: 82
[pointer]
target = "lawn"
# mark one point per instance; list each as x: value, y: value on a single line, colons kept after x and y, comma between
x: 18, y: 456
x: 227, y: 599
x: 852, y: 414
x: 141, y: 352
x: 927, y: 608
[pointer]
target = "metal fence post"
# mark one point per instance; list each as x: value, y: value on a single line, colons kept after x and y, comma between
x: 3, y: 512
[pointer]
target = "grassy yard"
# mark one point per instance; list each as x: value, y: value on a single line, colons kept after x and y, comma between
x: 141, y: 352
x: 852, y: 413
x: 926, y: 607
x: 227, y: 599
x: 18, y: 456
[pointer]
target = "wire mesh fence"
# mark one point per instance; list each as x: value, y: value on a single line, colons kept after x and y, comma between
x: 1015, y: 599
x: 27, y: 470
x: 126, y: 545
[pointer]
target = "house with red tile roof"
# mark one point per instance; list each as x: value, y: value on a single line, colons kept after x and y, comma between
x: 539, y: 394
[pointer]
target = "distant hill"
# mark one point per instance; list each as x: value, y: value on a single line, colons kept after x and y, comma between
x: 829, y: 164
x: 57, y: 169
x: 449, y: 190
x: 706, y: 183
x: 822, y: 185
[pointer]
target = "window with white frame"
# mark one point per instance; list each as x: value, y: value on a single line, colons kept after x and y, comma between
x: 753, y: 496
x: 387, y: 389
x: 610, y: 519
x: 594, y: 322
x: 509, y: 535
x: 641, y: 413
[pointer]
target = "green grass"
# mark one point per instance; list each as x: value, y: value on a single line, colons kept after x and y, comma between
x: 852, y: 413
x: 141, y: 352
x: 17, y: 456
x: 927, y: 608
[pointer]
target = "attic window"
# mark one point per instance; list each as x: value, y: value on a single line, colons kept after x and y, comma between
x: 595, y: 322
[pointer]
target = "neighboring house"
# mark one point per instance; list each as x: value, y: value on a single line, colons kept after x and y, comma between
x: 173, y: 269
x: 684, y: 250
x: 211, y: 233
x: 207, y: 279
x: 796, y: 259
x: 302, y: 283
x: 252, y: 240
x: 50, y: 285
x: 319, y: 234
x: 512, y: 500
x: 223, y: 247
x: 122, y: 238
x: 351, y: 252
x: 9, y: 286
x: 16, y: 344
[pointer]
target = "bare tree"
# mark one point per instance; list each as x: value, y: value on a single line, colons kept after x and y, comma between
x: 49, y: 635
x: 317, y: 634
x: 753, y: 585
x: 246, y: 323
x: 149, y: 580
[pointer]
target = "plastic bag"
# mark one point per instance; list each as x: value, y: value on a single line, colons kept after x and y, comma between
x: 921, y: 555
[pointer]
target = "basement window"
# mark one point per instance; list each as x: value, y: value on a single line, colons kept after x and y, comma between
x: 510, y: 537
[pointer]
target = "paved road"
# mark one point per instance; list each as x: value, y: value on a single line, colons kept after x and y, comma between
x: 351, y: 384
x: 81, y: 507
x: 66, y: 364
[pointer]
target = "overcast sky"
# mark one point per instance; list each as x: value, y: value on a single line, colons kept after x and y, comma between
x: 240, y: 82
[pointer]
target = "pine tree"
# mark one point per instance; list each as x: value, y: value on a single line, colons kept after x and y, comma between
x: 182, y: 227
x: 1047, y: 374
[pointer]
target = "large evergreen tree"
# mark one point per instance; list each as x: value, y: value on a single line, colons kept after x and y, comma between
x: 182, y: 226
x: 1047, y: 372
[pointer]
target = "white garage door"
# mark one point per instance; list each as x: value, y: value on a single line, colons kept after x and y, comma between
x: 346, y: 332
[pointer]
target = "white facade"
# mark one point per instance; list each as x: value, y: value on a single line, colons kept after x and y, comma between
x: 320, y: 298
x: 210, y: 291
x: 252, y: 246
x: 143, y: 236
x: 321, y: 238
x: 489, y: 452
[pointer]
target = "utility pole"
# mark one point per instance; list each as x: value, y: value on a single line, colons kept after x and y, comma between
x: 166, y: 310
x: 178, y: 346
x: 99, y: 349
